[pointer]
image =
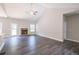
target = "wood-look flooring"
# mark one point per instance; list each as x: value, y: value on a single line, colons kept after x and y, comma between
x: 37, y: 45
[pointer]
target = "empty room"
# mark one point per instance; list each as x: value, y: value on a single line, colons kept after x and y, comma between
x: 39, y: 28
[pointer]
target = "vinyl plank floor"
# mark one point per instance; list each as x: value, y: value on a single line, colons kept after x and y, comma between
x: 37, y: 45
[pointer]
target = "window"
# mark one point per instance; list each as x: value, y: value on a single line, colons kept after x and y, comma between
x: 13, y: 29
x: 32, y: 27
x: 0, y: 27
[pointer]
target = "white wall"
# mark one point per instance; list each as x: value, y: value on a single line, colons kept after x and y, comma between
x: 51, y: 23
x: 73, y: 28
x: 7, y: 23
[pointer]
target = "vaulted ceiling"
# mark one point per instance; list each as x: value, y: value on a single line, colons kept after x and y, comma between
x: 23, y: 10
x: 20, y: 10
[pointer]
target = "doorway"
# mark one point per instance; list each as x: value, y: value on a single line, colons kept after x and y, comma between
x: 71, y: 27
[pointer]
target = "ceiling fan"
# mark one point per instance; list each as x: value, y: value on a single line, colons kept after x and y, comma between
x: 32, y: 11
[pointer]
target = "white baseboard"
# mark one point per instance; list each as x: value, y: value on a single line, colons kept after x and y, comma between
x: 72, y: 40
x: 50, y: 37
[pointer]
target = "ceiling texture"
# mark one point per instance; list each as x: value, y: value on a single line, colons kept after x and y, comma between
x: 23, y: 10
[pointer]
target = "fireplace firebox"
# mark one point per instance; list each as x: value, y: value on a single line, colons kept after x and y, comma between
x: 24, y: 31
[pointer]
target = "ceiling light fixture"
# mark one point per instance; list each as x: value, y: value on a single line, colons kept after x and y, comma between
x: 32, y: 10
